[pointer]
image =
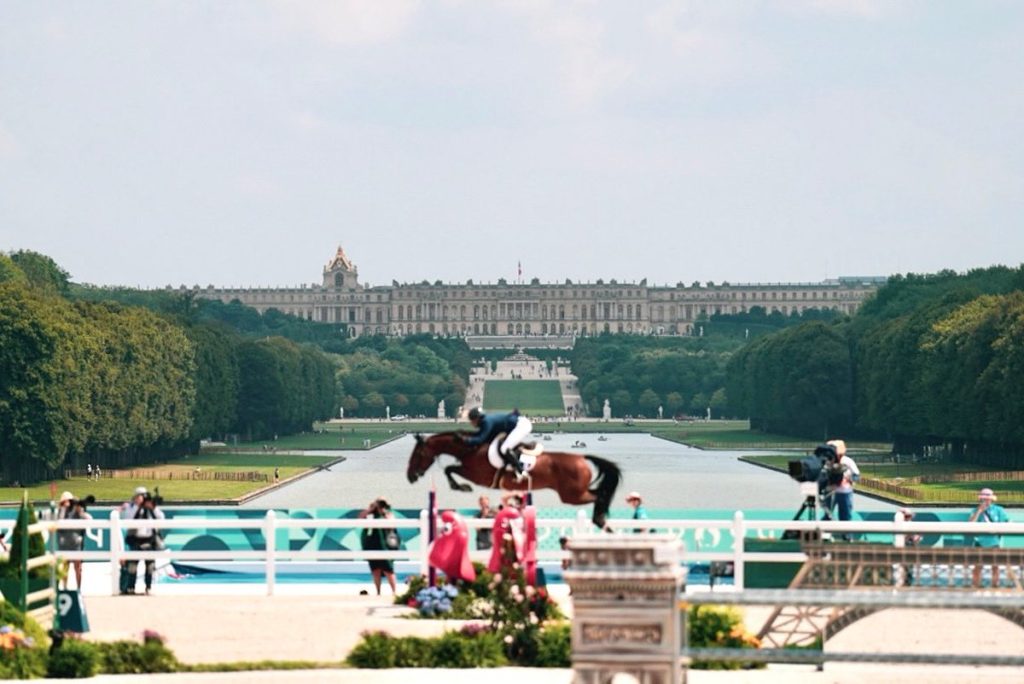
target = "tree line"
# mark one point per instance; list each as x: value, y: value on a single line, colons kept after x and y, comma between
x: 84, y: 380
x: 639, y: 374
x: 928, y: 361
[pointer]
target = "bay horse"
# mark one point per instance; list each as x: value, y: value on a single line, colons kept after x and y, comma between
x: 566, y: 473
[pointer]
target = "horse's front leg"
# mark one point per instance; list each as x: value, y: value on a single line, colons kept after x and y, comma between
x: 456, y: 469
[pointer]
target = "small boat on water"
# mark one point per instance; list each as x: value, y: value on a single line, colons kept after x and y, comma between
x: 579, y: 445
x: 547, y: 438
x: 602, y: 438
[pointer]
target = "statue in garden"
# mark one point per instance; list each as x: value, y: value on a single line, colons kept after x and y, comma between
x: 440, y: 409
x: 606, y: 412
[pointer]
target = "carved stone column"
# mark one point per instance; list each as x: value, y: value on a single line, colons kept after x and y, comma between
x: 626, y: 617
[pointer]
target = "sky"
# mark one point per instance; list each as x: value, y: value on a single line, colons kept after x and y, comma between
x: 239, y: 143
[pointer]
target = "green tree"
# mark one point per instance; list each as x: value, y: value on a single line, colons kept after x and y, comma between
x: 42, y: 272
x: 648, y: 403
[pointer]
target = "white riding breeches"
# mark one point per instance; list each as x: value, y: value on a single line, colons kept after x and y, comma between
x: 523, y: 428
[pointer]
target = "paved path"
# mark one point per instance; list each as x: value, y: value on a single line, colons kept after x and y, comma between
x: 223, y: 628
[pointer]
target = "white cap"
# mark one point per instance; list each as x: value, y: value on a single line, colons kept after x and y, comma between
x: 66, y: 496
x: 141, y: 490
x: 633, y: 496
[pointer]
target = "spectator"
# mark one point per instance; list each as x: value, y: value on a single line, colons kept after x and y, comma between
x: 375, y: 539
x: 843, y: 493
x: 513, y: 500
x: 987, y: 511
x: 563, y: 543
x: 903, y: 574
x: 71, y: 508
x: 483, y: 534
x: 277, y: 475
x: 639, y: 512
x: 143, y: 506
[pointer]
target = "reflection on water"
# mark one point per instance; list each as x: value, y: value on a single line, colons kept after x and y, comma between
x: 668, y: 475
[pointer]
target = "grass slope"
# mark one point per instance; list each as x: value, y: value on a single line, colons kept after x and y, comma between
x: 120, y: 489
x: 531, y: 397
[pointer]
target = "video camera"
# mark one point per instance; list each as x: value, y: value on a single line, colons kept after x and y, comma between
x: 153, y: 499
x: 823, y: 467
x: 84, y: 502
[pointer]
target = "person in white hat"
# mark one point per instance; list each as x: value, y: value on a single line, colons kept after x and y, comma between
x: 843, y: 493
x: 639, y: 512
x: 987, y: 511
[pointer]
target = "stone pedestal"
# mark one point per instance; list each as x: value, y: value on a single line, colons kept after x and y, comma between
x: 625, y: 592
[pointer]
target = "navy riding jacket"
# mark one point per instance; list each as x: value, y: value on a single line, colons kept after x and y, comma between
x: 491, y: 425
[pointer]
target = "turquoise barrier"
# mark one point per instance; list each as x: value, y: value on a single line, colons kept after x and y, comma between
x: 200, y: 538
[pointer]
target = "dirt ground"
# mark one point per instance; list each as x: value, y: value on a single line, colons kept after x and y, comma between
x: 216, y: 628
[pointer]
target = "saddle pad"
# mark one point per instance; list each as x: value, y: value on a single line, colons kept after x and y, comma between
x: 527, y: 459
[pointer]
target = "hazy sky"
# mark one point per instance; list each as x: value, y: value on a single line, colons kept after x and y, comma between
x: 239, y: 143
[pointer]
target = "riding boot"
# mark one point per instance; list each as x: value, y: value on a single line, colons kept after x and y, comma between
x: 511, y: 461
x: 515, y: 452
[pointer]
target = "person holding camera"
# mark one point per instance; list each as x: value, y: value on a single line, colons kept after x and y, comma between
x: 71, y: 508
x: 987, y: 510
x: 380, y: 539
x: 143, y: 506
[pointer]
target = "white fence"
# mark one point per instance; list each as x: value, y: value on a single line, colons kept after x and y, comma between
x: 547, y: 528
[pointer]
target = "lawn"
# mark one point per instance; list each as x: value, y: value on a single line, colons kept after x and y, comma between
x: 330, y: 436
x: 119, y: 489
x: 937, y: 493
x: 531, y: 397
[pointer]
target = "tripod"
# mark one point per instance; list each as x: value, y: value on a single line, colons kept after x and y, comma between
x: 810, y: 508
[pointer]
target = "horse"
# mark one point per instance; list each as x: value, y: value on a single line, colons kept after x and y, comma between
x: 567, y: 473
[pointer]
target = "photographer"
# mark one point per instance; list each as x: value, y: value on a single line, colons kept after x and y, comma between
x: 987, y: 511
x: 842, y: 491
x: 71, y: 508
x: 143, y: 506
x: 379, y: 539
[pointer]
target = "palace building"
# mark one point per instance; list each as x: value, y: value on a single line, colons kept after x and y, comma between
x: 534, y: 308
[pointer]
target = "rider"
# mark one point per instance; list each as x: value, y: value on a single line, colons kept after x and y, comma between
x: 489, y: 426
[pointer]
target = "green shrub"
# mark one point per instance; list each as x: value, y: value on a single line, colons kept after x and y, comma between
x: 413, y: 652
x: 22, y: 663
x: 26, y: 657
x: 414, y: 584
x: 554, y: 646
x: 451, y: 650
x: 484, y: 650
x: 10, y: 615
x: 131, y: 657
x: 718, y: 627
x: 456, y: 650
x: 481, y: 586
x: 74, y: 659
x: 36, y: 546
x: 375, y: 651
x: 379, y: 650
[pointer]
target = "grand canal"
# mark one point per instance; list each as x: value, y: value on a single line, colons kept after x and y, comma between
x: 668, y: 475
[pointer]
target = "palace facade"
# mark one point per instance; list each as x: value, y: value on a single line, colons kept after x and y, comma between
x: 533, y: 308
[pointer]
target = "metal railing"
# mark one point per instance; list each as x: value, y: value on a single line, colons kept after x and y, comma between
x: 853, y: 599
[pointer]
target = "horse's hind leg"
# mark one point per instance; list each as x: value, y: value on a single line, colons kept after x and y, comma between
x: 452, y: 470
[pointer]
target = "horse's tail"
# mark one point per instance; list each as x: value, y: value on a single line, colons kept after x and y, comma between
x: 604, y: 486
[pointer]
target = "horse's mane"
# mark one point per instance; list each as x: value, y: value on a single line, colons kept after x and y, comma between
x: 451, y: 433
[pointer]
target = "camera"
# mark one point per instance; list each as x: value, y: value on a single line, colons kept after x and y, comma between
x: 84, y: 502
x: 823, y: 467
x: 152, y: 499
